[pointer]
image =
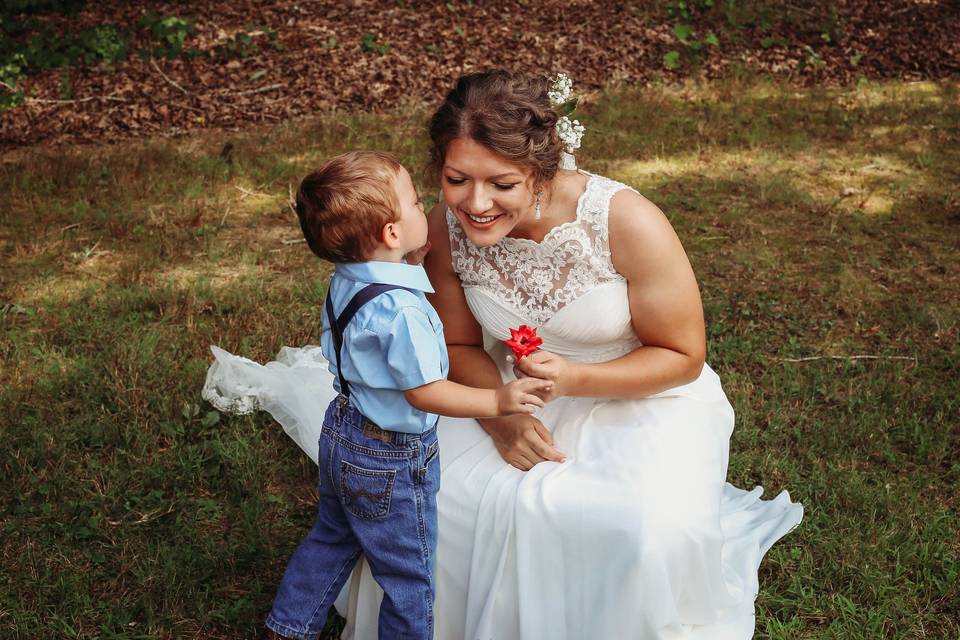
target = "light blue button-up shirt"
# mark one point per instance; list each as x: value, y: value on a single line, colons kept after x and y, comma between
x: 394, y: 343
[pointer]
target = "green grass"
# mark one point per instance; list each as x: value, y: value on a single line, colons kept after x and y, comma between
x: 820, y: 223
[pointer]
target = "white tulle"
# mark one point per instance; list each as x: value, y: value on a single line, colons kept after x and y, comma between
x: 637, y: 535
x: 295, y: 389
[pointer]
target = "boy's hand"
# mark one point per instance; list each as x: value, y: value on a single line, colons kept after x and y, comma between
x: 522, y: 396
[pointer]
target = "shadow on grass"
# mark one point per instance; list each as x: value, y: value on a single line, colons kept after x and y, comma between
x: 878, y: 118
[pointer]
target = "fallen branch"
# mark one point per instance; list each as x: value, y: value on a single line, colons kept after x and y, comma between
x: 860, y: 357
x: 166, y: 77
x: 114, y: 98
x: 27, y: 100
x: 270, y: 87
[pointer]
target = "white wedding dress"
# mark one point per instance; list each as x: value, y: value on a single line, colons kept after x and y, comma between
x: 637, y: 535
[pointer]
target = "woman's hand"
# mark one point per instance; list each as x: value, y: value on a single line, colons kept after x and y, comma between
x: 549, y: 366
x: 522, y: 441
x: 417, y: 255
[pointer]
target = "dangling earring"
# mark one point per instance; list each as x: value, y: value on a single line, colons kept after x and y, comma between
x: 536, y: 211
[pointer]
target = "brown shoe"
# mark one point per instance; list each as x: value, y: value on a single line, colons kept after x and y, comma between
x: 270, y: 634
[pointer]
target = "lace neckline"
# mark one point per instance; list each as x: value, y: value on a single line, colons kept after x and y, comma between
x: 563, y: 225
x: 540, y: 278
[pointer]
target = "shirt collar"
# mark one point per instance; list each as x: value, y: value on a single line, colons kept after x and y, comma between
x: 411, y: 276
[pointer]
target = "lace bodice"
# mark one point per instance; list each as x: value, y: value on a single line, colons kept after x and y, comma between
x: 538, y: 279
x: 520, y: 281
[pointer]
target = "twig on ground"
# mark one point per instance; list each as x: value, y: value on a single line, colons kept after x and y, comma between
x: 166, y: 77
x: 186, y: 106
x: 28, y: 100
x: 144, y: 517
x: 860, y: 357
x: 114, y: 98
x: 247, y: 192
x: 259, y: 115
x: 270, y: 87
x: 294, y: 241
x: 291, y: 200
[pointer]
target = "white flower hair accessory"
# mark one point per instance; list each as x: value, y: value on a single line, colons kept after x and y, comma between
x: 561, y: 91
x: 570, y: 131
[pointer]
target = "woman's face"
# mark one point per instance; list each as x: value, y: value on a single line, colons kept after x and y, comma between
x: 488, y: 194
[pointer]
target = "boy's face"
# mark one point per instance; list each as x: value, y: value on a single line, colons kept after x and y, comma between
x: 412, y: 225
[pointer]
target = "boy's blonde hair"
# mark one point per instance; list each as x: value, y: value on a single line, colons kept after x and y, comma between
x: 343, y: 205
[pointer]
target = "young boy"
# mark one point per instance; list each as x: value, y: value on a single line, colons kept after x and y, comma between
x: 379, y: 469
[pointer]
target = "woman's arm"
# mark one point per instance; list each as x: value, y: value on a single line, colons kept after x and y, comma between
x: 469, y: 363
x: 665, y: 308
x: 522, y: 441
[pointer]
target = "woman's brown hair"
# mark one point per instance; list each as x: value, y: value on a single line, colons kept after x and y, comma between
x: 510, y: 115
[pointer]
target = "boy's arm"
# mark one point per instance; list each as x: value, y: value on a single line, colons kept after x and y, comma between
x: 413, y: 359
x: 447, y: 398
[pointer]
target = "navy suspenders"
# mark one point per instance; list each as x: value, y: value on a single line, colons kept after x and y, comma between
x: 339, y: 324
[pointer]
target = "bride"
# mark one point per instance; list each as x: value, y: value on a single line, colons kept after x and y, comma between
x: 606, y: 514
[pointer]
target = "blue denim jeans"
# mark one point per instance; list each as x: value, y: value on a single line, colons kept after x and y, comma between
x: 378, y: 496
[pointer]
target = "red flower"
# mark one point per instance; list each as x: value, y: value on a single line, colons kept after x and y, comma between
x: 523, y: 341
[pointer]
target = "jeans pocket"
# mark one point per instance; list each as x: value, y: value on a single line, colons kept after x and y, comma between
x: 366, y: 493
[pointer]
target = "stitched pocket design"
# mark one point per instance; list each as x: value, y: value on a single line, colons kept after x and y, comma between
x: 366, y: 493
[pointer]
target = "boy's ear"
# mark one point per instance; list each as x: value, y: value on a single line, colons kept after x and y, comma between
x: 389, y: 236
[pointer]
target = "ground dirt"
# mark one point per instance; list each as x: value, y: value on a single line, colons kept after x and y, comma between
x: 315, y: 56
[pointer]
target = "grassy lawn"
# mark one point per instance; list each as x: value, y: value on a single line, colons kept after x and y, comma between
x: 820, y: 223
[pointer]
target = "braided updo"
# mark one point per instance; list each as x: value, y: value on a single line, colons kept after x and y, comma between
x: 510, y: 115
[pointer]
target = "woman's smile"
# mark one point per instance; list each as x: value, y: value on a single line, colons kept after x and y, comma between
x: 481, y: 222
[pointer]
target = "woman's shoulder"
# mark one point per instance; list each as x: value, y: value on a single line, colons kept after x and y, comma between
x: 626, y: 209
x: 629, y: 208
x: 637, y: 227
x: 600, y: 195
x: 600, y: 184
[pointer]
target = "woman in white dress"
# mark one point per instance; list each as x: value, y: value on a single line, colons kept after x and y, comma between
x: 606, y: 514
